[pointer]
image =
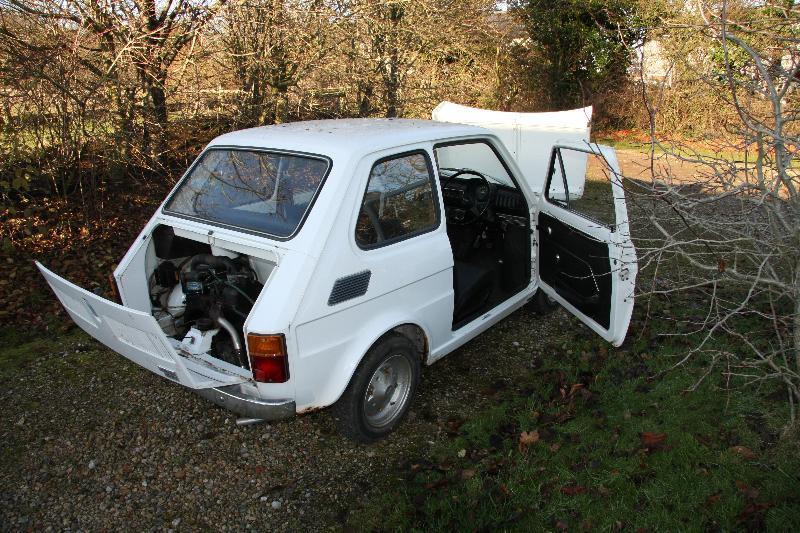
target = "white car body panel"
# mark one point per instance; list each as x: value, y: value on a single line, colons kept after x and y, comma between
x: 529, y: 137
x: 137, y: 336
x: 411, y: 280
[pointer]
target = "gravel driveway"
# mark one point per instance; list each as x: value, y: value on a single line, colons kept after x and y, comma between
x: 90, y: 441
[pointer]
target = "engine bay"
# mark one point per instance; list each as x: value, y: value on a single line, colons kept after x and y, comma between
x: 202, y: 296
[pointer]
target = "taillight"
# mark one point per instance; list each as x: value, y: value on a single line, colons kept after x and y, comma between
x: 268, y: 359
x: 114, y: 290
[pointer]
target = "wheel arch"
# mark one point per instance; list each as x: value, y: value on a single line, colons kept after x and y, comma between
x: 343, y: 373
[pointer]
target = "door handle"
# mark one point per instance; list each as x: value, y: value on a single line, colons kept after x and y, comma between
x: 549, y: 230
x: 558, y: 258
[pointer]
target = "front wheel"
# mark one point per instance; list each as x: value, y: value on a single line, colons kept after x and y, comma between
x: 380, y: 391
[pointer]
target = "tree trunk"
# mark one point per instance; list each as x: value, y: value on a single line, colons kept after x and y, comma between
x: 158, y: 99
x: 365, y: 93
x: 796, y: 324
x: 393, y: 85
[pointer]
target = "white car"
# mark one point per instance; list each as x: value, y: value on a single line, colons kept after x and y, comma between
x: 323, y: 263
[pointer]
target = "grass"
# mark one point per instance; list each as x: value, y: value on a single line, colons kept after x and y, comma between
x: 683, y: 148
x: 619, y: 444
x: 18, y: 351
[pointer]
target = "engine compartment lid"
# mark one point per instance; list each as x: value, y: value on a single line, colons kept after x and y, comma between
x: 137, y: 336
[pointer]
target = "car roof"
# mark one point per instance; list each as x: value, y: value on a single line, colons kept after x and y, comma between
x: 346, y: 136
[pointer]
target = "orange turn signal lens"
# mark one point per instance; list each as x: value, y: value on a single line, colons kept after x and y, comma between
x: 268, y: 358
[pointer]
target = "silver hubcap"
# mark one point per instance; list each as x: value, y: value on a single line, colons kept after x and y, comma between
x: 388, y: 390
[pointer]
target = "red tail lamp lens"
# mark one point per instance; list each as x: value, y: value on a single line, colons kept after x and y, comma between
x: 268, y: 358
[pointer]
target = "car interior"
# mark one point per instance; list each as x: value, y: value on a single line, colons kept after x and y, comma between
x: 488, y: 226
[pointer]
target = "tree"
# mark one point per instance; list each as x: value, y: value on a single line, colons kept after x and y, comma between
x: 578, y: 47
x: 396, y: 49
x: 729, y: 231
x: 272, y: 45
x: 137, y: 42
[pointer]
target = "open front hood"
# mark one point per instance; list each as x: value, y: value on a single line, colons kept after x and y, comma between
x: 529, y: 137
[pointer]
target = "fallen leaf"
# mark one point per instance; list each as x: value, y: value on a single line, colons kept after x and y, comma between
x: 436, y: 484
x: 574, y: 388
x: 526, y: 438
x: 714, y: 498
x: 467, y: 474
x: 573, y: 490
x: 561, y: 526
x: 653, y: 440
x: 743, y: 451
x: 753, y: 513
x: 750, y: 493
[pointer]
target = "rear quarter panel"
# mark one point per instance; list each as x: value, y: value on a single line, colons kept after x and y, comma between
x: 410, y: 283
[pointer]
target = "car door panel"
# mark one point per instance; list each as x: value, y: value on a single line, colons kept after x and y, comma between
x: 576, y: 265
x: 588, y: 266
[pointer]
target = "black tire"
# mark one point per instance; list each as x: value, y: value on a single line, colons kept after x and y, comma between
x: 357, y: 412
x: 542, y: 304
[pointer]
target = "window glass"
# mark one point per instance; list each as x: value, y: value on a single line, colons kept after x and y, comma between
x: 255, y: 190
x: 399, y: 201
x: 581, y: 182
x: 477, y: 156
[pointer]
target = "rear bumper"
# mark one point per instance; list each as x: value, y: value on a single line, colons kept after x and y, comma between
x: 234, y: 399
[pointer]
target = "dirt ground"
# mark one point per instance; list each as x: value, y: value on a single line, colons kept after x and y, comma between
x: 91, y: 442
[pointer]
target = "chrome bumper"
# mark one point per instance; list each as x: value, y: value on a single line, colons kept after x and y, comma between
x: 234, y: 399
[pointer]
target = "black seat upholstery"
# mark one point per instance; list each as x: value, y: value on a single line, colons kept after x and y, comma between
x: 472, y: 284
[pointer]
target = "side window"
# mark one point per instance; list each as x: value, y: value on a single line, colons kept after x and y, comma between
x: 581, y: 182
x: 399, y: 201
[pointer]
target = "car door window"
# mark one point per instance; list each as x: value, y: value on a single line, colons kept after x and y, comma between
x: 581, y: 182
x: 399, y: 202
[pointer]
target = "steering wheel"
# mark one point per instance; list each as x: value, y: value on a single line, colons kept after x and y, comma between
x: 476, y: 207
x: 374, y: 221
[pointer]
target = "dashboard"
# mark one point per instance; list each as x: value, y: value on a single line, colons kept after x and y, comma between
x: 502, y: 201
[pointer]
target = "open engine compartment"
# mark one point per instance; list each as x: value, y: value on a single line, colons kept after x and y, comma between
x: 201, y: 295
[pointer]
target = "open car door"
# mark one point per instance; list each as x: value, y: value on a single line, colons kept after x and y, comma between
x: 586, y: 260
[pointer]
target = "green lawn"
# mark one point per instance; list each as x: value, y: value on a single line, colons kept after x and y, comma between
x: 614, y: 441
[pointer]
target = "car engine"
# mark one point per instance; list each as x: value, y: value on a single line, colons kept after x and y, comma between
x: 203, y: 301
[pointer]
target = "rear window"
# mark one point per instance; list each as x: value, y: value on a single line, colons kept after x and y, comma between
x: 260, y: 191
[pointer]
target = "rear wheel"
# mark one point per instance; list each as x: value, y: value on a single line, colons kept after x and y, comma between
x: 380, y: 391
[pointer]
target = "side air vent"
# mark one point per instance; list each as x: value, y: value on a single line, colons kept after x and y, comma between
x: 349, y: 287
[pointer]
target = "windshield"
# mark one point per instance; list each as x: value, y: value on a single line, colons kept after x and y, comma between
x: 472, y: 155
x: 255, y: 190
